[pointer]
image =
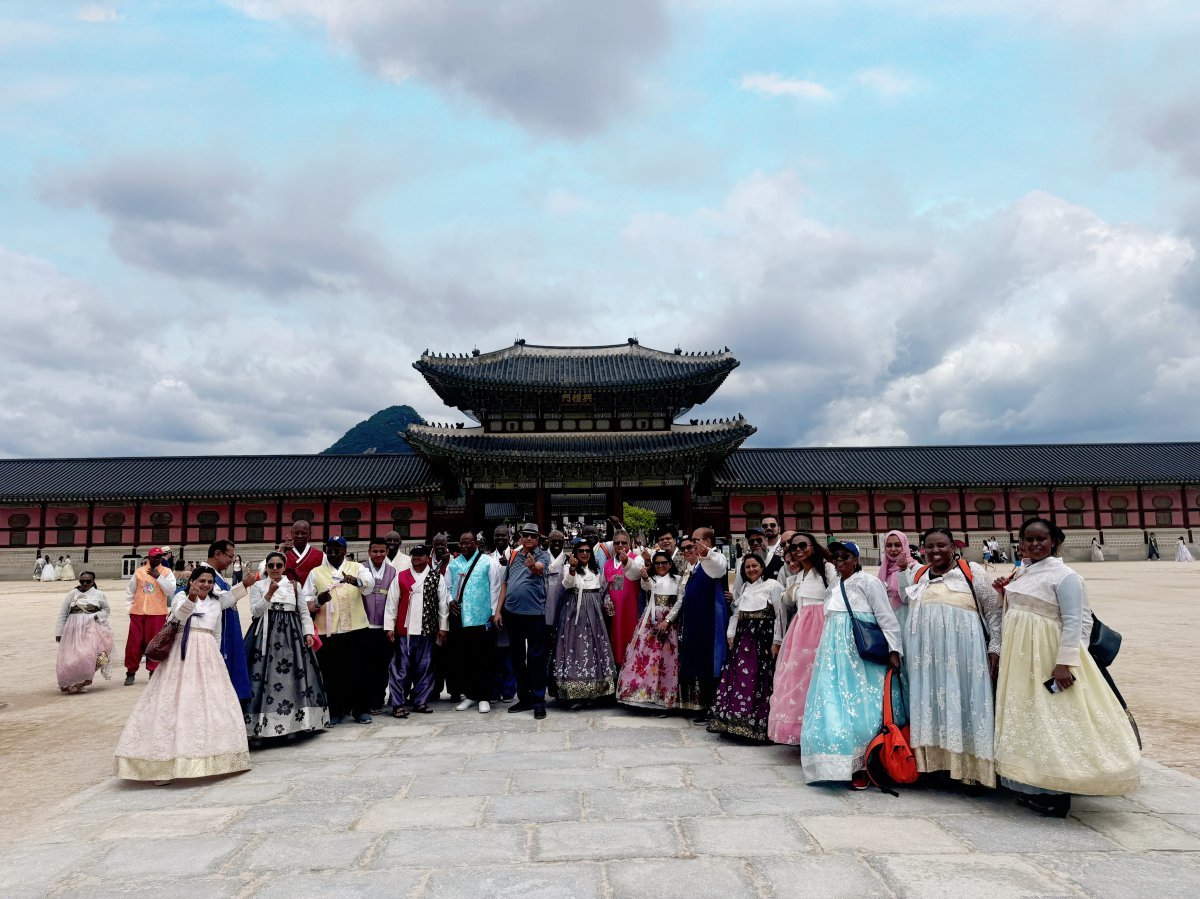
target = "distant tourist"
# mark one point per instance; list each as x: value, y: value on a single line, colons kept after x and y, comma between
x: 49, y: 572
x: 38, y: 564
x: 66, y: 570
x: 288, y: 691
x: 1067, y: 733
x: 806, y: 590
x: 702, y: 641
x: 522, y: 617
x: 742, y: 703
x: 237, y: 567
x: 1182, y: 553
x: 584, y: 667
x: 844, y: 710
x: 85, y: 641
x: 188, y: 721
x: 416, y: 621
x: 1097, y: 552
x: 952, y: 656
x: 334, y: 593
x: 148, y: 597
x: 650, y: 676
x: 1152, y: 547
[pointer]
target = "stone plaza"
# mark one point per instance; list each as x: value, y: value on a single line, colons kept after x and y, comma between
x: 595, y: 803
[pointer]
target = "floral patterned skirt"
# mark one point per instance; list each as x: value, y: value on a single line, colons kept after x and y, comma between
x: 950, y: 693
x: 583, y: 658
x: 287, y: 690
x: 844, y: 708
x: 793, y: 674
x: 743, y: 703
x: 1075, y: 741
x: 650, y: 675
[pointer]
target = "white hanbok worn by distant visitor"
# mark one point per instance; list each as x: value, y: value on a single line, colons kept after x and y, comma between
x: 49, y: 572
x: 1182, y: 553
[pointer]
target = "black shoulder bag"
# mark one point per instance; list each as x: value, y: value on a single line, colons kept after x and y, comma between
x: 869, y: 639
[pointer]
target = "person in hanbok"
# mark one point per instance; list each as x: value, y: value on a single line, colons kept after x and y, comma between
x: 188, y: 721
x: 705, y: 616
x: 584, y: 667
x: 844, y: 708
x: 952, y: 655
x: 49, y: 573
x: 1060, y: 728
x: 1182, y: 553
x: 85, y: 641
x: 622, y: 574
x: 896, y: 571
x: 416, y: 620
x: 1097, y: 552
x: 805, y: 591
x: 38, y: 564
x: 287, y: 689
x: 66, y: 570
x: 650, y: 676
x: 754, y: 634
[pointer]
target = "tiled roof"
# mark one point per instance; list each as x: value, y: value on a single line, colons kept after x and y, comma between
x: 478, y: 444
x: 618, y: 367
x: 953, y: 466
x: 213, y: 477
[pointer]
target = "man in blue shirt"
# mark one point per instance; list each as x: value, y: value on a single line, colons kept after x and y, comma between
x: 523, y: 616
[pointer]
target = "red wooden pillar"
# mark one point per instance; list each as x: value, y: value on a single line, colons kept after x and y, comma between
x: 542, y: 508
x: 137, y: 525
x: 87, y: 543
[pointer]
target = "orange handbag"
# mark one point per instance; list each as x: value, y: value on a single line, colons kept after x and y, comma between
x: 889, y: 758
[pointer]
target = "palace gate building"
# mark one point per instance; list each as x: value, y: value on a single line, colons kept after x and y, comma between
x: 566, y: 435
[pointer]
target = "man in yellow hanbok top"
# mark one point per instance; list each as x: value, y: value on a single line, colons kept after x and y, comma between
x: 334, y: 593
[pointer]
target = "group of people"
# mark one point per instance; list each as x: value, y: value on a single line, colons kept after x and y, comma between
x: 45, y: 570
x: 993, y: 677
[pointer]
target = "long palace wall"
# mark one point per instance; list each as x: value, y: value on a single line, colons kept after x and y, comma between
x: 100, y: 533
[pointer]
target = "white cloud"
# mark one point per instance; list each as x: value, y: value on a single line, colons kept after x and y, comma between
x: 557, y: 67
x: 1041, y: 322
x: 97, y: 13
x: 887, y: 82
x: 777, y: 86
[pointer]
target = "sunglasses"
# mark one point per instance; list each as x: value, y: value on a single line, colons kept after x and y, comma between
x: 274, y: 566
x: 583, y: 551
x: 798, y: 546
x: 842, y: 557
x: 662, y: 562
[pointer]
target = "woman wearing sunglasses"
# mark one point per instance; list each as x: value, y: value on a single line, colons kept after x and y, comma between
x: 805, y: 591
x: 622, y: 574
x: 288, y: 693
x: 844, y: 708
x: 583, y: 659
x: 650, y: 676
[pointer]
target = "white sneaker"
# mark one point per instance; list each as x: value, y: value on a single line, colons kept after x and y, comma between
x: 464, y: 705
x: 484, y: 707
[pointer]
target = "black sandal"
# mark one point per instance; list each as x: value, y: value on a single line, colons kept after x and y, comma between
x: 400, y: 712
x: 424, y: 710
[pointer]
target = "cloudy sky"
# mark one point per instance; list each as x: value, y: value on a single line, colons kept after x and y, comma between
x: 232, y: 227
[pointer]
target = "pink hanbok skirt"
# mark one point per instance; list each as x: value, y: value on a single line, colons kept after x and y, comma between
x: 85, y: 648
x: 793, y: 674
x: 188, y: 721
x: 650, y: 675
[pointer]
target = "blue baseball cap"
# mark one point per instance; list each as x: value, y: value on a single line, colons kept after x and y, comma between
x: 341, y: 541
x: 848, y: 545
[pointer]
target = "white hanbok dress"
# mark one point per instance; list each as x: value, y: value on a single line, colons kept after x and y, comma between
x: 49, y: 572
x: 1182, y: 553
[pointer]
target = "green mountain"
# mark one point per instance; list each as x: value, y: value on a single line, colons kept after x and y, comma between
x: 379, y: 434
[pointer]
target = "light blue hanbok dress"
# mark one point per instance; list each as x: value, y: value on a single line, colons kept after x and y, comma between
x: 951, y: 707
x: 844, y: 708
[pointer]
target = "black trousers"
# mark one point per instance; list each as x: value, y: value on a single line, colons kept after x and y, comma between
x: 343, y: 659
x: 527, y: 649
x: 448, y: 662
x: 478, y: 659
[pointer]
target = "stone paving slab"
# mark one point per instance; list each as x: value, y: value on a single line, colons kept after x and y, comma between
x: 598, y: 803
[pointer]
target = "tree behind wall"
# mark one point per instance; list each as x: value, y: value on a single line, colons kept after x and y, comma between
x: 638, y: 520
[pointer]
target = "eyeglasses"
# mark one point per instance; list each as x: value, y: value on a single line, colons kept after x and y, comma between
x: 274, y: 566
x: 620, y: 543
x: 687, y: 547
x: 662, y: 562
x: 842, y: 557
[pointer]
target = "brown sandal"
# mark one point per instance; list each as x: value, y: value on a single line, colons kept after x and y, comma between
x: 400, y: 712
